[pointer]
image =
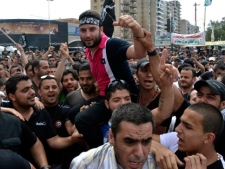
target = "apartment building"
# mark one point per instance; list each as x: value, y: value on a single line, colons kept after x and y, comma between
x: 150, y: 14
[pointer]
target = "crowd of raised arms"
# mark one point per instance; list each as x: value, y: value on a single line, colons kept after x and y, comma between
x: 115, y: 105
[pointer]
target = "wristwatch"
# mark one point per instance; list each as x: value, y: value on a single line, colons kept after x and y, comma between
x: 153, y: 53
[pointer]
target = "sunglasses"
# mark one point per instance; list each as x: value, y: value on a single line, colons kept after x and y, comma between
x: 117, y: 82
x: 46, y: 76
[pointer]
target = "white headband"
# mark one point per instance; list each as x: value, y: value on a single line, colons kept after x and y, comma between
x: 90, y: 20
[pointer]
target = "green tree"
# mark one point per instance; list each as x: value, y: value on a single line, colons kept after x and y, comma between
x: 219, y: 31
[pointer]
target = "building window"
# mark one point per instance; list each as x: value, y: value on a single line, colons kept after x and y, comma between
x: 95, y: 7
x: 95, y: 1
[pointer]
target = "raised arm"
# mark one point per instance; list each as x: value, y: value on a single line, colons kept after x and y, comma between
x: 166, y: 100
x: 23, y: 57
x: 50, y: 49
x: 156, y: 68
x: 137, y: 50
x: 61, y: 67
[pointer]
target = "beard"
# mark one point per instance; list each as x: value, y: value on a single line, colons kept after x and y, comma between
x: 90, y: 91
x: 96, y: 42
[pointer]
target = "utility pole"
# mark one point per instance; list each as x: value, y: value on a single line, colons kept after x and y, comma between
x: 195, y: 5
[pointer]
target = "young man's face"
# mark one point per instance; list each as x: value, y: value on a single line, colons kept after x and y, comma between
x: 206, y: 95
x: 52, y: 70
x: 190, y: 132
x: 49, y: 91
x: 145, y: 78
x: 52, y: 61
x: 69, y: 83
x: 193, y: 97
x: 87, y: 81
x: 24, y: 95
x: 186, y: 79
x: 29, y: 72
x: 117, y: 99
x: 218, y: 72
x: 43, y: 68
x: 132, y: 144
x: 90, y: 35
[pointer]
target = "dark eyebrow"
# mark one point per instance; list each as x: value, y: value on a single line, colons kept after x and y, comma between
x: 129, y: 138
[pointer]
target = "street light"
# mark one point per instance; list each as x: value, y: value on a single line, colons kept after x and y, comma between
x: 195, y: 5
x: 49, y: 26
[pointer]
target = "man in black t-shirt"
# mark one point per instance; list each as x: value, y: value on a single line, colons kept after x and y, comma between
x: 49, y: 91
x: 21, y: 94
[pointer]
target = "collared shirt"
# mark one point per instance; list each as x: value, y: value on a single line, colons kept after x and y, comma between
x: 103, y: 157
x: 109, y: 62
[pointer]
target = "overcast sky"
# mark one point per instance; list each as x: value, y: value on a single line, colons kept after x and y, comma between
x: 38, y: 9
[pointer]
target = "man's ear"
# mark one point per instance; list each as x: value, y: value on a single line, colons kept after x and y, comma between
x: 111, y: 137
x: 222, y: 105
x: 107, y: 104
x: 12, y: 97
x: 210, y: 137
x: 35, y: 70
x: 39, y: 92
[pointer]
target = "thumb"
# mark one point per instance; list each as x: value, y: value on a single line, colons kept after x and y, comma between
x: 116, y: 24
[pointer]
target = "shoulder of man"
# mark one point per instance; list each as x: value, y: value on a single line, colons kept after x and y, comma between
x: 94, y: 158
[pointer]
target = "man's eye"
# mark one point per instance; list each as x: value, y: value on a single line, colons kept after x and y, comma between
x: 130, y: 142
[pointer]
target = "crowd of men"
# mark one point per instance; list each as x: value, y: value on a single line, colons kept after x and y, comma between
x: 115, y: 105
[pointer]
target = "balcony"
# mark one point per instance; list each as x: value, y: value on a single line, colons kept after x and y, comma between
x: 133, y: 5
x: 126, y: 9
x: 126, y: 2
x: 134, y: 16
x: 133, y: 0
x: 133, y: 11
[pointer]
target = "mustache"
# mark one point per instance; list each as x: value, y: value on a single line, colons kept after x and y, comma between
x: 32, y: 96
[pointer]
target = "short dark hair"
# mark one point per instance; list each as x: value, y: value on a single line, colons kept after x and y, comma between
x: 35, y: 63
x: 130, y: 112
x: 76, y: 66
x: 115, y: 85
x: 84, y: 66
x: 219, y: 66
x: 212, y: 117
x: 190, y: 69
x: 27, y: 65
x: 183, y: 66
x: 70, y: 71
x: 12, y: 82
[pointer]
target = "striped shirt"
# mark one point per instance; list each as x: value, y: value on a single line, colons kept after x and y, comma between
x: 103, y: 157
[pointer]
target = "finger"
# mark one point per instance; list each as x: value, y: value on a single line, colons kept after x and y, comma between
x: 163, y: 60
x: 188, y: 163
x: 203, y: 159
x: 116, y: 24
x: 164, y: 52
x: 180, y: 163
